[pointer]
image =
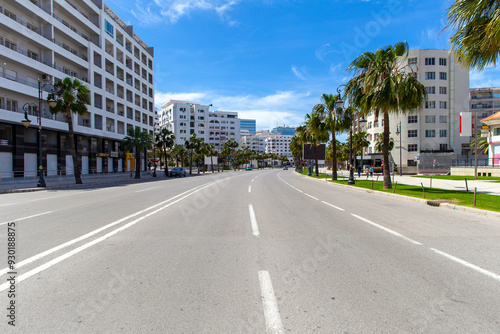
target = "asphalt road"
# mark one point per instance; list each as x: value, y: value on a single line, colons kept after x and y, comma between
x: 244, y: 252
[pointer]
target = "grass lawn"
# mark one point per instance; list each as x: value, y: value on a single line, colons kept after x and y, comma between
x: 459, y: 178
x: 483, y: 201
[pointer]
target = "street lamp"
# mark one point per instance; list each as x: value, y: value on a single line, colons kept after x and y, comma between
x: 398, y: 132
x: 340, y: 104
x: 27, y: 122
x: 154, y: 159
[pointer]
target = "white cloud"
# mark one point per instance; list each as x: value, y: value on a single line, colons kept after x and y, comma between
x: 489, y: 77
x: 170, y: 11
x: 298, y: 73
x: 284, y: 107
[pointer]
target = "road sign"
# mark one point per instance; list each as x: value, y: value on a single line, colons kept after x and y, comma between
x: 416, y: 158
x: 434, y: 162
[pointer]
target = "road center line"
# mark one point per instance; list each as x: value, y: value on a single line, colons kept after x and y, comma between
x: 386, y: 229
x: 249, y: 189
x: 16, y: 220
x: 253, y: 221
x: 138, y: 191
x: 468, y: 265
x: 271, y: 311
x: 333, y: 206
x: 88, y: 235
x: 311, y: 196
x: 95, y: 241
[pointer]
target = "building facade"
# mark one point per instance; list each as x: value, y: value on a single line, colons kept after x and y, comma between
x: 185, y: 118
x: 47, y: 40
x: 248, y: 124
x: 284, y: 130
x: 279, y: 144
x: 432, y: 132
x: 253, y: 142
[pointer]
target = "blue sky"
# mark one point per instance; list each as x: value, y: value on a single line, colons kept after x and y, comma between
x: 271, y: 60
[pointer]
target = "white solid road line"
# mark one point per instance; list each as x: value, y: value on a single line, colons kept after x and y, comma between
x: 249, y: 189
x: 311, y: 196
x: 468, y: 265
x: 271, y: 311
x: 333, y: 206
x: 253, y: 221
x: 88, y: 235
x: 16, y: 220
x: 77, y: 250
x: 386, y: 229
x: 138, y: 191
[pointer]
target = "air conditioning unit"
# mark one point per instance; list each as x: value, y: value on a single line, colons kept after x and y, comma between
x: 45, y: 77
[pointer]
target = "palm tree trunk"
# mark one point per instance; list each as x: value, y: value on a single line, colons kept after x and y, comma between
x: 316, y: 159
x: 385, y: 151
x: 74, y: 152
x: 137, y: 161
x: 212, y: 162
x: 166, y: 161
x: 334, y: 156
x: 191, y: 162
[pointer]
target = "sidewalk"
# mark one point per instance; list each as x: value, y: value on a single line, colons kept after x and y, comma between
x: 486, y: 187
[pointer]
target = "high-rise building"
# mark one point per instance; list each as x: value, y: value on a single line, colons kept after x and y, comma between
x: 185, y: 118
x: 253, y: 142
x: 249, y: 125
x: 432, y: 132
x: 279, y: 144
x: 44, y: 41
x: 284, y: 130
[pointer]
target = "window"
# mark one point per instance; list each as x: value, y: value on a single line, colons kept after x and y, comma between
x: 443, y: 119
x: 430, y: 119
x: 443, y: 76
x: 66, y: 47
x: 9, y: 14
x: 442, y: 90
x: 412, y: 61
x: 412, y: 119
x: 430, y: 90
x: 442, y: 133
x: 32, y: 27
x: 11, y: 105
x: 496, y: 132
x: 109, y: 28
x: 430, y: 75
x: 412, y: 133
x: 430, y: 61
x: 412, y: 148
x: 430, y: 133
x: 443, y: 147
x: 442, y: 61
x: 10, y: 45
x: 32, y: 55
x: 430, y: 104
x: 375, y: 124
x: 442, y: 104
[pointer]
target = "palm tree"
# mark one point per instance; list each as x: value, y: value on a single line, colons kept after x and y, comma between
x: 228, y: 149
x: 336, y: 121
x: 476, y: 39
x: 165, y: 140
x: 71, y: 97
x: 137, y: 140
x: 296, y: 149
x: 317, y: 131
x: 179, y: 152
x: 381, y: 84
x: 192, y: 144
x: 482, y: 144
x: 379, y: 143
x: 359, y: 142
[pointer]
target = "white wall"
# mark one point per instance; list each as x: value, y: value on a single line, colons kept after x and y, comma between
x: 51, y: 164
x: 30, y: 166
x: 5, y: 165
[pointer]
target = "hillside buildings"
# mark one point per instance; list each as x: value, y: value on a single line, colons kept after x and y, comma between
x: 45, y: 41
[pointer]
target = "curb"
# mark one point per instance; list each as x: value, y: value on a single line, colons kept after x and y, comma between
x: 491, y: 214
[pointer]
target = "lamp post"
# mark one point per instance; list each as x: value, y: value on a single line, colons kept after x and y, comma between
x: 27, y: 122
x: 154, y: 160
x: 399, y: 132
x: 340, y: 104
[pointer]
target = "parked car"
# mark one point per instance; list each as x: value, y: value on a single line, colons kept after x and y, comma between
x: 178, y: 171
x: 249, y: 168
x: 285, y: 168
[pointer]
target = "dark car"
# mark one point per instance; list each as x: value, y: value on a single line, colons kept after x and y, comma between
x: 178, y: 171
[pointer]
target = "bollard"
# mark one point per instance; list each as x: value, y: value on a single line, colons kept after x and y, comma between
x: 372, y: 184
x: 475, y: 190
x: 466, y: 185
x: 422, y: 188
x: 395, y: 186
x: 431, y: 182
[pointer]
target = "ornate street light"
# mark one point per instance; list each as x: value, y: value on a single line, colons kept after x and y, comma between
x: 27, y: 122
x: 398, y: 132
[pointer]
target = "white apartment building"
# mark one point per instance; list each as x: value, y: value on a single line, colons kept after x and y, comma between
x: 253, y: 142
x: 279, y: 144
x: 432, y: 133
x: 185, y: 118
x: 49, y: 40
